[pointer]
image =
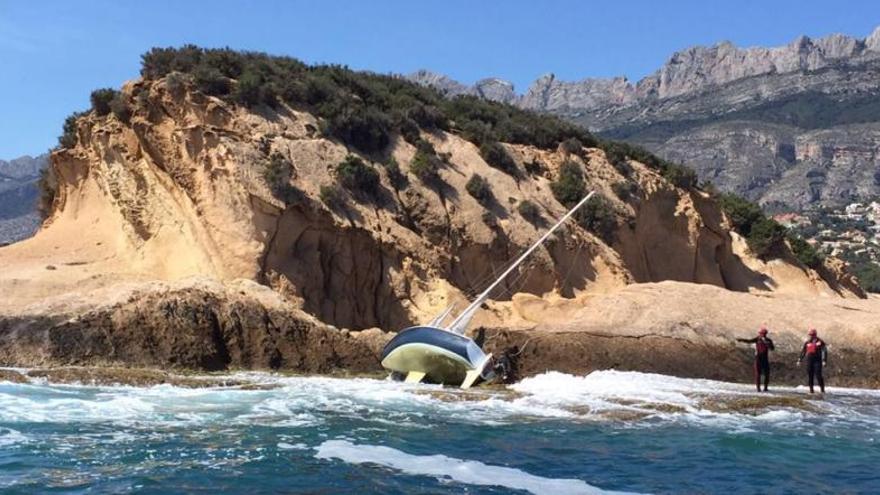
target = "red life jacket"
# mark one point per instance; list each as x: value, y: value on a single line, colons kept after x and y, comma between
x: 813, y: 346
x: 761, y: 347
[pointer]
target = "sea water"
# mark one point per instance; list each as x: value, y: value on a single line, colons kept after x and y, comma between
x: 607, y: 432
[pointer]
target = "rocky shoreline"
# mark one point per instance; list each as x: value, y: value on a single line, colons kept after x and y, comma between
x: 166, y: 333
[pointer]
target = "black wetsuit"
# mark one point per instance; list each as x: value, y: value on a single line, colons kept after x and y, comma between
x: 763, y: 346
x: 816, y: 353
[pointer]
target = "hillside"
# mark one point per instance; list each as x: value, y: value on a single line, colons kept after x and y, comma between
x: 787, y: 126
x: 232, y: 209
x: 19, y: 196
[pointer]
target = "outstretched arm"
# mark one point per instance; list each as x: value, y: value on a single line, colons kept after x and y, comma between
x: 748, y: 341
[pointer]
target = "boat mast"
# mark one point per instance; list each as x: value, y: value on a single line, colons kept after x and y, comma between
x: 459, y: 324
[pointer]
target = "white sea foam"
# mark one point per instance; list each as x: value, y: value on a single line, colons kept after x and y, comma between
x: 449, y: 468
x: 293, y: 402
x: 10, y: 437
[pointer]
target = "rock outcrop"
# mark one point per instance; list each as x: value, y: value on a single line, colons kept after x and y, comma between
x: 197, y: 233
x: 788, y: 126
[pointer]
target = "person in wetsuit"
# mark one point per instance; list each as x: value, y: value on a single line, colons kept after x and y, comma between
x: 816, y: 352
x: 763, y: 346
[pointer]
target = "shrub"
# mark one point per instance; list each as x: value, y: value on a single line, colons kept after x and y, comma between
x: 529, y: 211
x: 337, y: 94
x: 741, y: 212
x: 681, y: 176
x: 101, y: 99
x: 617, y: 157
x: 68, y: 137
x: 425, y: 146
x: 395, y: 175
x: 496, y: 156
x: 278, y: 172
x: 363, y: 128
x: 48, y: 185
x: 211, y: 81
x: 625, y: 189
x: 569, y: 187
x: 479, y: 189
x: 358, y: 177
x: 598, y: 216
x: 572, y: 146
x: 427, y: 116
x: 332, y: 196
x: 120, y: 107
x: 805, y: 252
x: 426, y: 167
x: 765, y: 237
x: 176, y: 83
x: 249, y: 91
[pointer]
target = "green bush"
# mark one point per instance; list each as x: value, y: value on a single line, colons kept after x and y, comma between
x: 364, y: 128
x: 765, y: 237
x: 68, y: 137
x: 101, y: 99
x: 572, y: 146
x: 358, y: 177
x: 363, y: 109
x: 569, y: 187
x: 426, y: 167
x: 741, y: 212
x: 529, y: 211
x: 805, y: 252
x: 866, y: 271
x: 598, y: 216
x: 211, y: 81
x: 679, y: 175
x: 250, y: 89
x: 496, y: 156
x: 48, y: 185
x: 278, y: 172
x: 332, y: 196
x: 176, y: 83
x: 479, y: 189
x: 120, y: 107
x: 625, y: 190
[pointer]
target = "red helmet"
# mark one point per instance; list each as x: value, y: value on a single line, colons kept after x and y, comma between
x: 762, y: 331
x: 812, y: 332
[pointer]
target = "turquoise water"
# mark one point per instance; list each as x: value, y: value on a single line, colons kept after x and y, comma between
x: 554, y: 433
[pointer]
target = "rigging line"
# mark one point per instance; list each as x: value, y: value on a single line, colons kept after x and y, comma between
x: 490, y: 276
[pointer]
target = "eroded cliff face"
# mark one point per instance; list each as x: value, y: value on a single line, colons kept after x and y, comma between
x: 192, y: 186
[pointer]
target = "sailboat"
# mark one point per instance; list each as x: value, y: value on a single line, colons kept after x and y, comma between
x: 443, y: 354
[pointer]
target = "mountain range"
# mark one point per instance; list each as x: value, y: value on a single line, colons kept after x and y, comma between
x: 791, y: 127
x: 19, y: 194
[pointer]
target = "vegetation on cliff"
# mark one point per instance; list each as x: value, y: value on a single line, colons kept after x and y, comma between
x: 764, y: 235
x: 366, y: 111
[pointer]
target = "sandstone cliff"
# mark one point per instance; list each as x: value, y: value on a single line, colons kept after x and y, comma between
x: 196, y: 232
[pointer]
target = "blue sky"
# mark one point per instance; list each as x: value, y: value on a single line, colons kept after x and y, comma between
x: 53, y: 53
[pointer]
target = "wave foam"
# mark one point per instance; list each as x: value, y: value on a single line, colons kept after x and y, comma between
x: 450, y: 468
